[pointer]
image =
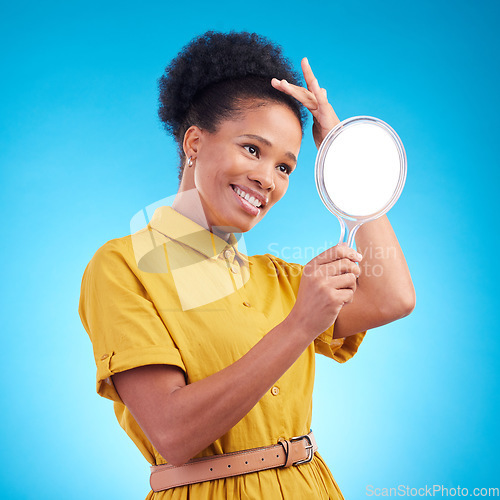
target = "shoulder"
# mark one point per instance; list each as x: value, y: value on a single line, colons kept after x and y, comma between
x: 132, y: 261
x: 112, y: 252
x: 112, y: 274
x: 114, y: 261
x: 127, y: 250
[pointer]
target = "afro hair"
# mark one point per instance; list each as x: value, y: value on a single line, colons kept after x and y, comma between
x: 214, y: 73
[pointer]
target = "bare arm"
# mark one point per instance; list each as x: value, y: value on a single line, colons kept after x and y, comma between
x: 181, y: 420
x: 385, y: 290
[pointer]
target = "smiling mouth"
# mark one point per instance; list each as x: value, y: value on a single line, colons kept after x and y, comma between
x: 250, y: 199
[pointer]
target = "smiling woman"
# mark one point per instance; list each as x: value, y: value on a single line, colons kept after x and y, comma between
x: 207, y: 353
x: 242, y: 169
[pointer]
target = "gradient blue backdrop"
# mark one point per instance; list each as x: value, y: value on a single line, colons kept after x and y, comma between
x: 81, y: 151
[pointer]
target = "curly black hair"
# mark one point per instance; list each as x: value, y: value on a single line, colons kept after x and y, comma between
x: 213, y: 76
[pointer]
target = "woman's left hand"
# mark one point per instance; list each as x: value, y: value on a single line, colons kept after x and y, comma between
x: 314, y: 99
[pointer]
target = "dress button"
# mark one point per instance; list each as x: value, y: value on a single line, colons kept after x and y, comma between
x: 104, y: 356
x: 227, y: 254
x: 234, y: 269
x: 246, y: 304
x: 275, y: 391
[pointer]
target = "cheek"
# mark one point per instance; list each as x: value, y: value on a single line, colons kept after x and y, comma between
x: 203, y: 180
x: 281, y: 186
x: 209, y: 175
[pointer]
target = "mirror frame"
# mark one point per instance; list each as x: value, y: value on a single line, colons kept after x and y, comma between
x: 320, y: 162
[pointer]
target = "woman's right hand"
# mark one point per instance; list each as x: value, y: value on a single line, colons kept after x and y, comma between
x: 328, y: 282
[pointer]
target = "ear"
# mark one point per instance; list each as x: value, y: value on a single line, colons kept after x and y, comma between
x: 191, y: 142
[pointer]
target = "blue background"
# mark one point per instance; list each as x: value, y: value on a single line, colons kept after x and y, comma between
x: 82, y: 150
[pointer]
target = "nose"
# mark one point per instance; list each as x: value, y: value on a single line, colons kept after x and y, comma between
x: 264, y: 175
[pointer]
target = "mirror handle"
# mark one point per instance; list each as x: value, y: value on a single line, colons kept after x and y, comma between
x: 348, y: 230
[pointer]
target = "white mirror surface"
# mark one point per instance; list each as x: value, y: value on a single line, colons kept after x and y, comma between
x: 362, y: 169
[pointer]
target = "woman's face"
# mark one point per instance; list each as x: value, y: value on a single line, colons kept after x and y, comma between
x: 251, y: 157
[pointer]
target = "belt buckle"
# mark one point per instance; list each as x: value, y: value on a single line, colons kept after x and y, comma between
x: 309, y: 448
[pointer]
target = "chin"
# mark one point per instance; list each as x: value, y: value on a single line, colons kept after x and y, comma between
x: 239, y: 226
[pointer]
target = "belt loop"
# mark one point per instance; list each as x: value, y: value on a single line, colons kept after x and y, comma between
x: 286, y: 447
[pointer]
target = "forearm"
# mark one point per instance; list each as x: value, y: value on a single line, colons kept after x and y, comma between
x: 182, y: 420
x: 385, y: 278
x: 199, y: 413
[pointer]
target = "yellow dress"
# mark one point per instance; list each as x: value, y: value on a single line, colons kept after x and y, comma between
x: 175, y: 293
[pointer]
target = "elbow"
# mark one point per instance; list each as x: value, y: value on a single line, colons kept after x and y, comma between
x: 398, y: 306
x: 408, y: 305
x: 408, y: 301
x: 172, y: 447
x: 172, y: 455
x: 404, y: 304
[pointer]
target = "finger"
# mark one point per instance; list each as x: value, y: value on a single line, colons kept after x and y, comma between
x: 346, y: 295
x: 338, y: 252
x: 341, y: 266
x: 302, y: 95
x: 320, y: 93
x: 344, y: 282
x: 307, y: 72
x: 335, y: 268
x: 286, y: 86
x: 312, y: 82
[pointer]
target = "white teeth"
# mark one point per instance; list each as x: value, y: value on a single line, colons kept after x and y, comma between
x: 246, y: 196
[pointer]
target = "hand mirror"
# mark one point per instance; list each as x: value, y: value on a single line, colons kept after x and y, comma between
x: 360, y: 172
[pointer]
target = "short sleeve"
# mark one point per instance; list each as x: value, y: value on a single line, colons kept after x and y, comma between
x: 341, y: 349
x: 120, y: 319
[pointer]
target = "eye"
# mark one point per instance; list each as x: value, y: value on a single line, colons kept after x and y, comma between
x: 285, y: 169
x: 253, y: 150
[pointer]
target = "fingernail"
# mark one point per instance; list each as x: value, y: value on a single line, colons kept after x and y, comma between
x: 359, y: 256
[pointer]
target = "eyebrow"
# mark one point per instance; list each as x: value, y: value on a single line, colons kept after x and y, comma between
x: 269, y: 144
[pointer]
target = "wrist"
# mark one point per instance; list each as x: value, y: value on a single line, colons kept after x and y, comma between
x: 299, y: 328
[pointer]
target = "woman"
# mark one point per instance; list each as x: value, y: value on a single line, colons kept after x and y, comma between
x: 204, y: 350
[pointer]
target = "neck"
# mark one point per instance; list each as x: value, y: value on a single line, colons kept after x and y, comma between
x: 188, y: 203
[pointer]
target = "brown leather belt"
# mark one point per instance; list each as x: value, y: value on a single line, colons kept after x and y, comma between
x: 295, y: 451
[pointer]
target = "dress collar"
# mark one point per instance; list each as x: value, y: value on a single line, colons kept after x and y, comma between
x: 177, y: 227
